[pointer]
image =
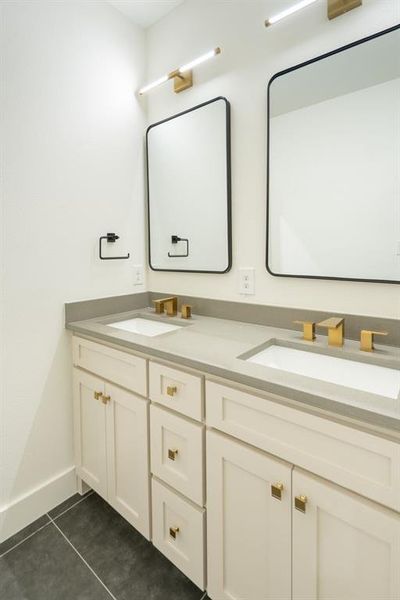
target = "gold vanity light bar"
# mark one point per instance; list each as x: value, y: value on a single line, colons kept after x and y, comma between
x: 289, y: 11
x: 154, y: 84
x: 182, y: 76
x: 335, y: 9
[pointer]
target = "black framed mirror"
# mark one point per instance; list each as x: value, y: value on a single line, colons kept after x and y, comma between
x: 333, y: 175
x: 189, y: 190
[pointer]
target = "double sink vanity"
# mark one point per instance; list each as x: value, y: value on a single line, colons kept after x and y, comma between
x: 259, y: 463
x: 263, y: 461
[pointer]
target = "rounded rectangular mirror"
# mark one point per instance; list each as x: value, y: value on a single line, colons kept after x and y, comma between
x: 189, y: 190
x: 333, y: 164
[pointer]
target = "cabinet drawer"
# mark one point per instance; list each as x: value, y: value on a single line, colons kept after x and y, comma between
x: 122, y: 368
x: 178, y: 532
x: 177, y: 390
x: 177, y: 453
x: 364, y: 463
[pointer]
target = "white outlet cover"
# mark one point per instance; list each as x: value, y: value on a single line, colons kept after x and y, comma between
x: 247, y: 281
x: 138, y: 275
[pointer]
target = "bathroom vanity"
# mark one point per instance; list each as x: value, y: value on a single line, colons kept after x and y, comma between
x: 257, y: 483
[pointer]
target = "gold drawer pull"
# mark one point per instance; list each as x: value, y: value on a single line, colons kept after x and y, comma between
x: 172, y: 390
x: 276, y: 490
x: 97, y: 395
x: 173, y: 531
x: 172, y: 454
x: 300, y: 503
x: 105, y: 399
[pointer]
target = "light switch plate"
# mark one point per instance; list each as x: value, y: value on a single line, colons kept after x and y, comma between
x: 138, y: 275
x: 246, y: 281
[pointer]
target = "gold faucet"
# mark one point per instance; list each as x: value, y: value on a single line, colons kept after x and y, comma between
x: 170, y: 305
x: 335, y: 327
x: 308, y: 330
x: 367, y: 339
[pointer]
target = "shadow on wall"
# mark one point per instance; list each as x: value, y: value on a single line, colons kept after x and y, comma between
x: 25, y: 498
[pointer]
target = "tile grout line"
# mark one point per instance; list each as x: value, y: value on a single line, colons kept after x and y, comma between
x: 25, y: 539
x: 82, y: 559
x: 72, y: 506
x: 46, y: 524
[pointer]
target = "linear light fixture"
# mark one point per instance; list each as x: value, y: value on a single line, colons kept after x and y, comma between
x: 183, y: 76
x: 289, y: 11
x: 335, y: 9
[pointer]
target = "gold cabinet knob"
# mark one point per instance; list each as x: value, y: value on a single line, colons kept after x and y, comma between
x: 173, y: 532
x: 300, y: 503
x: 172, y: 390
x: 97, y: 395
x: 172, y: 454
x: 276, y: 490
x: 105, y: 399
x: 367, y: 339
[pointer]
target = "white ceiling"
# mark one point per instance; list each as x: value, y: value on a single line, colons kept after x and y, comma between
x: 145, y: 12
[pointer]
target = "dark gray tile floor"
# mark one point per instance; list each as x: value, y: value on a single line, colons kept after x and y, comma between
x: 84, y: 550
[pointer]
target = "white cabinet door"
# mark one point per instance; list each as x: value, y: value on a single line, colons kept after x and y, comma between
x: 90, y: 431
x: 128, y: 457
x: 248, y: 529
x: 344, y: 547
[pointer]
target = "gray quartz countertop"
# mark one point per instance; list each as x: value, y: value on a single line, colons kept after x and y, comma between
x: 215, y: 347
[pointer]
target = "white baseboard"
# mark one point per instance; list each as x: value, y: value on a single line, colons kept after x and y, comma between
x: 24, y: 510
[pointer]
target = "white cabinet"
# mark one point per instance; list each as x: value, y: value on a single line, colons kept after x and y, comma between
x: 123, y: 368
x: 178, y: 532
x: 127, y: 457
x: 177, y: 458
x: 248, y: 526
x: 367, y: 464
x: 177, y: 453
x: 111, y: 446
x: 279, y: 527
x: 338, y: 545
x: 344, y: 547
x: 90, y: 431
x: 177, y: 390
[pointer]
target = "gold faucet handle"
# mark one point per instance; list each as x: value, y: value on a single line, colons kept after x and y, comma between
x: 186, y: 310
x: 159, y: 306
x: 367, y: 339
x: 335, y: 327
x: 308, y: 330
x: 170, y: 305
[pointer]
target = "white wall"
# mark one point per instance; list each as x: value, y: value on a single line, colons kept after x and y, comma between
x: 71, y: 142
x: 251, y: 54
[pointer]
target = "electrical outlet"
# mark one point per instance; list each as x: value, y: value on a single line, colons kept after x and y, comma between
x: 246, y: 281
x: 138, y: 275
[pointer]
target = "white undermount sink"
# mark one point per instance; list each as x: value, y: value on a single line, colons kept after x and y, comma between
x: 357, y: 375
x: 142, y: 326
